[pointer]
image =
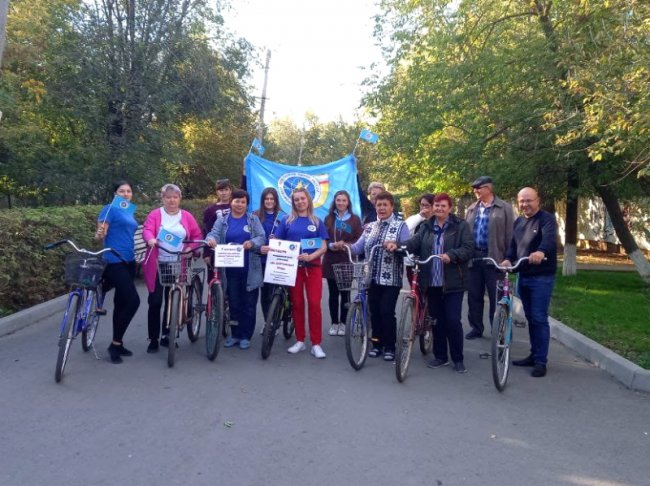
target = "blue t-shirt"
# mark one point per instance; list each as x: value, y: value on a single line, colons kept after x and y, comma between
x: 238, y: 232
x: 122, y: 226
x: 299, y: 229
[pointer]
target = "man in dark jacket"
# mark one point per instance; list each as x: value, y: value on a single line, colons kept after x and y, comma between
x: 535, y: 237
x: 490, y: 221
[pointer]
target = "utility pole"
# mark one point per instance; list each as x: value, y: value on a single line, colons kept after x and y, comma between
x: 302, y: 144
x: 4, y: 11
x: 260, y: 126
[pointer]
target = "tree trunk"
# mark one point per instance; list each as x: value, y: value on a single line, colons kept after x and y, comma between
x: 569, y: 265
x: 623, y: 232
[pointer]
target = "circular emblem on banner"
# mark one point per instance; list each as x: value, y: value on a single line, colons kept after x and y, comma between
x: 124, y: 204
x: 292, y: 246
x: 311, y: 243
x: 299, y: 180
x: 311, y: 227
x: 169, y: 237
x: 247, y: 229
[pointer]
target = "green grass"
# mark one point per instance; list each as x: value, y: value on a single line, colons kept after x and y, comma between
x: 612, y: 308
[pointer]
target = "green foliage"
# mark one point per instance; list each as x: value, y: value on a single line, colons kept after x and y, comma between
x: 95, y: 91
x: 32, y: 275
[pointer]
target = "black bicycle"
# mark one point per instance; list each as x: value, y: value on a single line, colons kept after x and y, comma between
x: 279, y: 313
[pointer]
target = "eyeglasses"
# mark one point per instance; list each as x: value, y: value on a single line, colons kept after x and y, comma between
x: 527, y: 201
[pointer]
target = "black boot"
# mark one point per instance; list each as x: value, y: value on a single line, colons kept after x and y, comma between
x: 114, y: 353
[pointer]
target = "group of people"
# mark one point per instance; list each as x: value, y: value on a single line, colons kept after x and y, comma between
x: 489, y: 229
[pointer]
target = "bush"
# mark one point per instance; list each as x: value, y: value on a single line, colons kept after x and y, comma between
x: 30, y: 275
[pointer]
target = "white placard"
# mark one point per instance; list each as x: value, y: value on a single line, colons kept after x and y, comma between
x: 282, y: 262
x: 229, y: 256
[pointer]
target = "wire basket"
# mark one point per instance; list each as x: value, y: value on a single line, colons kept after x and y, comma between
x: 349, y: 276
x: 179, y: 272
x: 83, y: 270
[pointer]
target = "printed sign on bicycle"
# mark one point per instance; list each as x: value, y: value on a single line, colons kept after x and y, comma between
x: 282, y: 262
x: 231, y: 256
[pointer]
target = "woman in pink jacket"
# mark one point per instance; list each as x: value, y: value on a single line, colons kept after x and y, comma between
x: 169, y: 219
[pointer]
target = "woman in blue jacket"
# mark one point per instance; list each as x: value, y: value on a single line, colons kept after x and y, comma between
x: 242, y: 284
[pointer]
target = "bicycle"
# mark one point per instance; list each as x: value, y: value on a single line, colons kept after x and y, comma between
x: 216, y: 309
x: 413, y: 321
x: 83, y: 271
x: 279, y: 312
x: 502, y: 326
x: 176, y: 276
x: 358, y: 327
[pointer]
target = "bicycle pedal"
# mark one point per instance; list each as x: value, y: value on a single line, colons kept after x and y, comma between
x: 233, y: 323
x: 485, y: 355
x: 520, y: 324
x: 101, y: 312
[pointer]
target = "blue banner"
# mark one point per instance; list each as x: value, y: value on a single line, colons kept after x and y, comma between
x: 321, y: 181
x: 124, y: 204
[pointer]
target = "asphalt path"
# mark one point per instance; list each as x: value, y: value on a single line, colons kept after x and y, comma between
x: 293, y: 419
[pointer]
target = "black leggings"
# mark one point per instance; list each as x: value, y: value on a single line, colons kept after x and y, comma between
x: 120, y: 277
x: 155, y: 301
x: 334, y: 304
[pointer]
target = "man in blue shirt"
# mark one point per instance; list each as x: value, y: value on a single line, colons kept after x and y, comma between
x: 534, y: 236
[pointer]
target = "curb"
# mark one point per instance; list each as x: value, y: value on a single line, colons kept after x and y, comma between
x: 27, y: 317
x: 629, y: 374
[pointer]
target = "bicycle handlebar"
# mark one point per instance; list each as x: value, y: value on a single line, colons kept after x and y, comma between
x: 372, y: 251
x: 505, y: 269
x: 54, y: 245
x: 417, y: 261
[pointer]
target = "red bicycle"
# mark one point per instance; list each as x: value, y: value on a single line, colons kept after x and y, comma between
x: 413, y: 321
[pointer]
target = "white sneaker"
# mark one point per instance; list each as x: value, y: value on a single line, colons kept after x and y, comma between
x: 296, y: 348
x: 341, y: 330
x: 317, y: 352
x: 334, y: 330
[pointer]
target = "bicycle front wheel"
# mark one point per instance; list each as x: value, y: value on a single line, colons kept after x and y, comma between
x: 174, y: 319
x: 215, y: 322
x: 426, y: 341
x: 405, y: 338
x: 89, y: 330
x: 272, y: 324
x: 501, y: 338
x: 194, y: 308
x: 70, y: 318
x: 356, y: 336
x: 287, y: 319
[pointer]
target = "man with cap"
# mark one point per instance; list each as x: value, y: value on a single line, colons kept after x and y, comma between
x: 490, y: 220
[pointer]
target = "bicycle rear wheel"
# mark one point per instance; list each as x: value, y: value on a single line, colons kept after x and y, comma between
x: 272, y: 324
x: 70, y: 318
x: 356, y: 336
x: 405, y: 338
x: 215, y: 322
x: 174, y: 319
x: 89, y: 330
x: 194, y: 308
x: 501, y: 338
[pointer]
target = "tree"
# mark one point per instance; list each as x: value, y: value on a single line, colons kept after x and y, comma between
x: 490, y: 87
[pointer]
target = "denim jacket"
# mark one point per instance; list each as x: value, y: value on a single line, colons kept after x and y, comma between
x: 258, y: 238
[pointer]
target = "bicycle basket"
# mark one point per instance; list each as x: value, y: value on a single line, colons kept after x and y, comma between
x: 175, y: 273
x: 83, y: 270
x: 348, y: 275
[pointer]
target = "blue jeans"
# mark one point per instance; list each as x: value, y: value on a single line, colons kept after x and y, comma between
x: 535, y: 292
x: 243, y: 304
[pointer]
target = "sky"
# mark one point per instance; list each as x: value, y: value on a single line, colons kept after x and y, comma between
x: 318, y: 51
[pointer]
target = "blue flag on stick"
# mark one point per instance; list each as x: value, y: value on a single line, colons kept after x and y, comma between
x: 170, y: 238
x: 368, y: 136
x: 124, y: 204
x: 321, y: 181
x: 257, y: 145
